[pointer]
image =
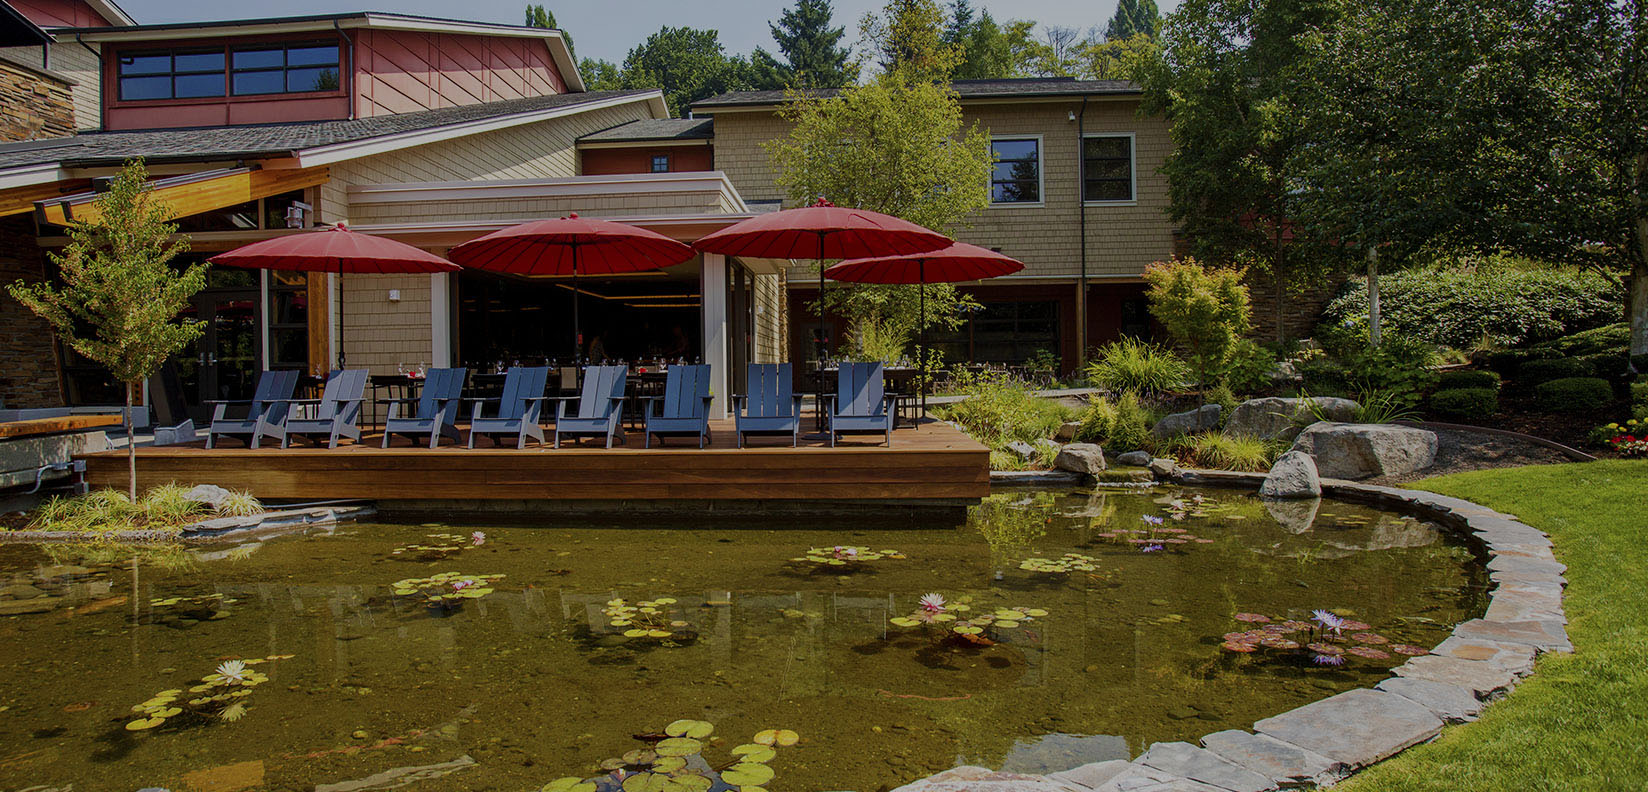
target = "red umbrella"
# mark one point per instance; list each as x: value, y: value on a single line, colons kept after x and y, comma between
x: 956, y: 263
x: 571, y: 245
x: 336, y: 250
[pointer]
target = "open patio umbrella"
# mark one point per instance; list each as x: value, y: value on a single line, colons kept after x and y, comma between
x: 571, y: 245
x: 822, y: 231
x: 336, y: 250
x: 954, y: 264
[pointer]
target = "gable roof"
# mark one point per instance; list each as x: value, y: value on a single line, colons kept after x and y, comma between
x: 1026, y: 88
x: 308, y: 142
x: 17, y: 30
x: 655, y: 129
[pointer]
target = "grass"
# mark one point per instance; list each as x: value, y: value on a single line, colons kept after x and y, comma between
x: 1219, y: 451
x: 163, y: 507
x: 1581, y: 721
x: 1000, y: 410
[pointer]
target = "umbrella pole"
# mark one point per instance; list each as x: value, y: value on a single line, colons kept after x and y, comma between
x: 577, y: 328
x: 341, y: 353
x: 921, y: 337
x: 823, y: 336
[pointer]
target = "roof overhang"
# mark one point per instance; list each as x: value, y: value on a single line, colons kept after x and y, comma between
x: 189, y: 194
x: 965, y: 101
x: 643, y: 143
x: 17, y: 30
x: 637, y: 184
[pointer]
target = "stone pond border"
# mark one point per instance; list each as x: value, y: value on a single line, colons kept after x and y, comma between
x: 1325, y: 741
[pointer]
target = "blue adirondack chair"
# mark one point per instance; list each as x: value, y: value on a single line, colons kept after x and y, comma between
x: 860, y: 404
x: 518, y: 411
x: 684, y: 409
x: 336, y: 412
x: 771, y: 408
x: 267, y: 407
x: 436, y: 409
x: 600, y: 406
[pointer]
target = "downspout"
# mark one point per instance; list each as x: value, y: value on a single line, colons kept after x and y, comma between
x: 1081, y: 204
x: 349, y: 72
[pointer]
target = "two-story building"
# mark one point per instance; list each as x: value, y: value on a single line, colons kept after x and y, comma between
x: 1076, y: 194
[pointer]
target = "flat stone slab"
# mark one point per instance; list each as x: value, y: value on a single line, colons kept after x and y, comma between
x: 1451, y: 703
x: 968, y: 778
x: 1514, y: 659
x: 1200, y: 764
x: 1483, y: 680
x: 1285, y: 763
x: 1091, y: 775
x: 1546, y: 636
x: 1139, y: 778
x: 1512, y: 603
x: 1357, y: 727
x: 1506, y: 562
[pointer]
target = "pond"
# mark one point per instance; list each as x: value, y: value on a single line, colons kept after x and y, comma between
x: 1074, y: 626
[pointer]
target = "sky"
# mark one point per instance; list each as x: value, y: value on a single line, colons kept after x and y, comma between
x: 608, y: 28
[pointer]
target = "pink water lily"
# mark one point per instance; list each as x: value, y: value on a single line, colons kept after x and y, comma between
x: 477, y: 538
x: 932, y: 603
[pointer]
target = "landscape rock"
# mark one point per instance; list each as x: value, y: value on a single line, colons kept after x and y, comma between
x: 1134, y: 458
x: 1293, y: 476
x: 1091, y: 775
x: 1199, y: 764
x: 209, y: 494
x: 1200, y: 419
x: 1022, y: 450
x: 1544, y: 635
x: 36, y: 605
x: 1163, y: 467
x: 1357, y: 727
x: 1482, y: 679
x: 1451, y: 703
x: 1516, y: 603
x: 968, y: 778
x: 1277, y: 417
x: 1067, y: 431
x: 1294, y: 516
x: 1512, y: 658
x: 1359, y: 451
x: 1080, y: 458
x: 1140, y: 778
x: 1285, y: 763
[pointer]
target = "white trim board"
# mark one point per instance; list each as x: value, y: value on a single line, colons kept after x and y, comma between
x: 1041, y: 173
x: 567, y: 187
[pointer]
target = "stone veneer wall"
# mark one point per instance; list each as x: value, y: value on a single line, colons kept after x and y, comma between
x: 1324, y: 741
x: 33, y: 104
x: 1301, y: 309
x: 28, y: 359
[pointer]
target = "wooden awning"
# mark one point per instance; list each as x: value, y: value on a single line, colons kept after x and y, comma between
x: 192, y: 193
x: 22, y: 199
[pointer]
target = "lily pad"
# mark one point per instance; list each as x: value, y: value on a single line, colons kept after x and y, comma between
x: 647, y: 782
x: 679, y: 746
x: 695, y: 729
x: 747, y: 774
x: 668, y: 764
x: 568, y: 784
x: 144, y: 723
x: 780, y: 737
x: 752, y: 752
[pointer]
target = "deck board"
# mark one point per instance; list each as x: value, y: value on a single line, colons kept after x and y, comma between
x: 932, y: 462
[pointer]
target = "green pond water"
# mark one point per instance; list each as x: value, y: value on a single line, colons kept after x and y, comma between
x: 531, y: 681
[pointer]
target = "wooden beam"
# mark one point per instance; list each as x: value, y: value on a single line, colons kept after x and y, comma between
x: 320, y: 324
x: 191, y: 197
x: 66, y: 423
x: 22, y: 199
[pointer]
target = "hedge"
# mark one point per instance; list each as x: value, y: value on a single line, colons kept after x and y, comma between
x: 1468, y: 403
x: 1467, y: 378
x: 1574, y: 394
x: 1639, y: 400
x: 1534, y: 372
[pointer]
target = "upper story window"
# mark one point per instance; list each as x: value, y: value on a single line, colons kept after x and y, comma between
x: 199, y: 73
x: 660, y: 163
x: 1107, y: 168
x: 1016, y: 178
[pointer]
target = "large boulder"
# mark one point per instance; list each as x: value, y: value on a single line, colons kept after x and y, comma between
x: 1293, y: 476
x: 1274, y: 416
x: 1135, y: 458
x: 209, y: 494
x: 1080, y: 458
x: 1201, y: 419
x: 1359, y: 451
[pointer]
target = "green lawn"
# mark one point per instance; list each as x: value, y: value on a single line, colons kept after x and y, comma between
x: 1581, y: 722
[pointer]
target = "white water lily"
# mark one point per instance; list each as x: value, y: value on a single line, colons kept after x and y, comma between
x: 232, y: 670
x: 233, y: 712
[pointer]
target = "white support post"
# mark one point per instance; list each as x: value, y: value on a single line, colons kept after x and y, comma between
x: 440, y: 319
x: 264, y: 310
x: 713, y: 285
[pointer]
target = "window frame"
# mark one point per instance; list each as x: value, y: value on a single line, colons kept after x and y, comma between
x: 1132, y: 169
x: 652, y: 163
x: 285, y: 69
x: 1041, y: 173
x: 111, y: 70
x: 171, y: 73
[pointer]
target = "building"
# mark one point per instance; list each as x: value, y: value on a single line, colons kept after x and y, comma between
x: 1076, y: 195
x: 425, y: 130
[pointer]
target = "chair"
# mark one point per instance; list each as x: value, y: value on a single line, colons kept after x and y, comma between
x: 437, y: 409
x: 684, y: 408
x: 860, y: 404
x: 172, y: 423
x: 337, y: 411
x: 600, y: 406
x: 771, y: 408
x: 267, y: 408
x: 519, y: 407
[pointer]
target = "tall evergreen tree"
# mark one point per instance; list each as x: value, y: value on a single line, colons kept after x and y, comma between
x: 812, y: 51
x: 539, y: 17
x: 688, y: 64
x: 1132, y: 18
x: 908, y: 36
x: 987, y: 50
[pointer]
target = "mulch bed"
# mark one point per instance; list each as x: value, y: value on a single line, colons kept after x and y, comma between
x: 1459, y: 451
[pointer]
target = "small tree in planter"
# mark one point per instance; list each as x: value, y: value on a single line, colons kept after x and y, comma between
x: 119, y: 300
x: 1205, y: 309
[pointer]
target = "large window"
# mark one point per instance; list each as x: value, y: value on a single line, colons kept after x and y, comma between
x: 1016, y: 178
x: 1107, y: 168
x: 196, y: 73
x: 1002, y: 333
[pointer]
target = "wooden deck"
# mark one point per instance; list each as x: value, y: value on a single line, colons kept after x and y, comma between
x: 930, y: 463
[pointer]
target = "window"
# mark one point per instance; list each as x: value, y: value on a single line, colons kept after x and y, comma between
x: 660, y: 163
x: 285, y: 68
x: 1107, y: 168
x: 1017, y: 173
x: 171, y: 74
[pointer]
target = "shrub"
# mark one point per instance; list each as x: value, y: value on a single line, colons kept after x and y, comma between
x: 1219, y: 451
x: 1400, y: 366
x: 1467, y: 403
x: 1249, y: 367
x: 1507, y: 361
x: 1461, y: 379
x: 1131, y: 429
x: 999, y: 409
x: 1609, y: 365
x: 1096, y: 422
x: 1205, y: 309
x: 1639, y: 400
x: 1573, y: 394
x: 1534, y: 372
x: 1139, y: 366
x: 1510, y: 304
x: 1608, y: 338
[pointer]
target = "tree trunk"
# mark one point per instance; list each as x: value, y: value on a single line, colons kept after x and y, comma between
x: 1279, y: 270
x: 131, y: 447
x: 1639, y: 291
x: 1374, y: 330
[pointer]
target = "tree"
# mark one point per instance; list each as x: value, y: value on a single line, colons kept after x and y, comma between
x: 1133, y: 18
x: 601, y: 75
x: 1116, y: 59
x: 988, y: 50
x: 120, y: 298
x: 1057, y: 54
x: 539, y: 17
x: 908, y: 36
x: 928, y: 168
x: 688, y: 64
x: 1204, y: 309
x: 1225, y: 76
x: 813, y: 55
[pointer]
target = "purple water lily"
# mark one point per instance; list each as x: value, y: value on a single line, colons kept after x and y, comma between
x: 1327, y: 660
x: 1151, y: 519
x: 1328, y: 620
x: 1151, y: 548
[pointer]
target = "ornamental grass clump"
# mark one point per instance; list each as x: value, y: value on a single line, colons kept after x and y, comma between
x: 998, y: 409
x: 1138, y: 366
x: 163, y: 508
x: 1220, y: 451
